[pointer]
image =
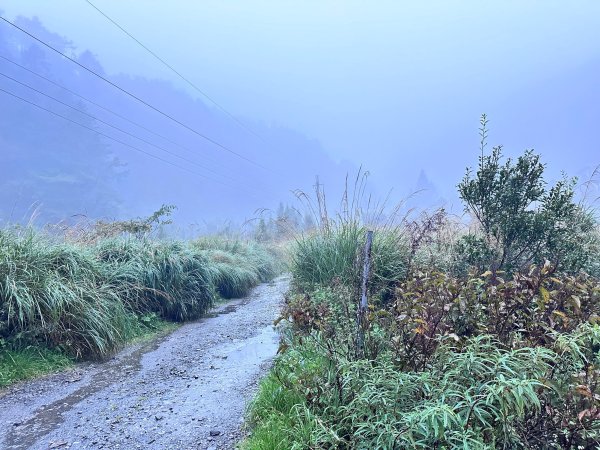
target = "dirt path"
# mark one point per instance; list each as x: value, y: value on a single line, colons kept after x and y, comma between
x: 184, y: 391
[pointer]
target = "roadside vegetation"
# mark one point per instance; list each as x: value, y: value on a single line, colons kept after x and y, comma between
x: 480, y: 334
x: 84, y: 293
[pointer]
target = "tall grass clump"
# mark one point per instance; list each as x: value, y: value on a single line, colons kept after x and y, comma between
x: 166, y: 278
x: 85, y: 294
x: 56, y: 294
x: 331, y: 253
x: 237, y: 265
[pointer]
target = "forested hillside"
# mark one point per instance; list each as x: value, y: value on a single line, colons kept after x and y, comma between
x: 54, y: 169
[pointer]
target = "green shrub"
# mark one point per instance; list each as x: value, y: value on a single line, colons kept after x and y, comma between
x: 472, y: 251
x: 483, y: 362
x: 522, y: 221
x: 521, y: 308
x: 474, y: 395
x: 477, y: 394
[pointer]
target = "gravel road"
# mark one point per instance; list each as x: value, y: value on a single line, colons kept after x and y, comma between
x: 187, y: 390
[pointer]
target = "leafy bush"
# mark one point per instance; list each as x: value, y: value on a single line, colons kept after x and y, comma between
x: 473, y: 396
x: 523, y: 308
x: 522, y: 221
x: 473, y: 393
x: 477, y: 394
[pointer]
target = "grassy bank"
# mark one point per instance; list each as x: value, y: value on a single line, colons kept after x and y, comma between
x: 63, y: 299
x: 436, y: 373
x: 478, y: 336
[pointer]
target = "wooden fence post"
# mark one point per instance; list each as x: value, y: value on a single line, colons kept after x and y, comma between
x: 363, y: 305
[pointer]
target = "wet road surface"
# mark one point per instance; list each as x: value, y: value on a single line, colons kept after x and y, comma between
x: 187, y: 390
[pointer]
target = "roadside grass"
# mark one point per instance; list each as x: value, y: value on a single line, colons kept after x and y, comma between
x: 457, y: 350
x: 237, y: 266
x: 33, y: 361
x: 330, y: 255
x: 55, y: 293
x: 275, y: 416
x: 30, y: 362
x: 165, y: 278
x: 87, y: 299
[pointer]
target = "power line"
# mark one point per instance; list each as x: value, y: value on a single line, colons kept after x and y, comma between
x: 92, y: 102
x: 166, y: 161
x: 95, y: 131
x: 116, y: 86
x: 176, y: 72
x: 114, y: 127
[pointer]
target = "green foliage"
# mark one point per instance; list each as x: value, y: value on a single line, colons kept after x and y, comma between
x: 522, y: 221
x: 279, y: 415
x: 592, y: 245
x: 30, y: 362
x: 237, y: 265
x: 473, y: 251
x: 87, y: 299
x: 261, y: 233
x: 473, y: 393
x: 479, y: 340
x: 331, y: 252
x: 521, y: 309
x: 333, y: 255
x: 476, y: 340
x: 481, y: 362
x: 166, y: 278
x: 571, y: 411
x: 56, y: 294
x: 273, y: 416
x: 477, y: 395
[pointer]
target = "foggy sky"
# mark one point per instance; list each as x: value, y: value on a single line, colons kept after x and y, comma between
x: 393, y: 86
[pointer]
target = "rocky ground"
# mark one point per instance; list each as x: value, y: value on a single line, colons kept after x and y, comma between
x: 187, y: 390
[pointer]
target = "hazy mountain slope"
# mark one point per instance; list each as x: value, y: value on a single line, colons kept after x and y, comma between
x: 67, y: 170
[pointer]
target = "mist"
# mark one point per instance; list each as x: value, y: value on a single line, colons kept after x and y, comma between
x: 292, y: 93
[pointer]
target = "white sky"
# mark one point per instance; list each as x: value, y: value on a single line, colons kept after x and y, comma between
x: 393, y: 85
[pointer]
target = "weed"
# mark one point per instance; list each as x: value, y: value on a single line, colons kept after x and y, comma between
x: 87, y: 298
x: 30, y: 362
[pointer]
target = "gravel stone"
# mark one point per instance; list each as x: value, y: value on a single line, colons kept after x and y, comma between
x: 168, y: 393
